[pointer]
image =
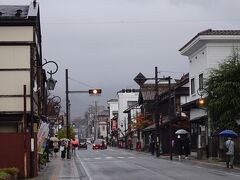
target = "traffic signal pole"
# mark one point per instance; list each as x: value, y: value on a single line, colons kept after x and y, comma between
x: 90, y: 91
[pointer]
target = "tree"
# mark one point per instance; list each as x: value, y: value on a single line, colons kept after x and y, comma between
x: 223, y: 87
x: 140, y: 122
x: 62, y: 133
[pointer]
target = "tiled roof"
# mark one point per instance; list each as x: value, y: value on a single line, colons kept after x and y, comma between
x: 13, y: 11
x: 210, y: 32
x: 219, y: 32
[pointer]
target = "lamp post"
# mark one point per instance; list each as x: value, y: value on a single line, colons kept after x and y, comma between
x: 201, y: 102
x: 50, y: 84
x: 95, y: 91
x: 140, y: 79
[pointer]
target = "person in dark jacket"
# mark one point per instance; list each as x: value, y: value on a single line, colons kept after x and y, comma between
x: 179, y: 147
x: 186, y: 147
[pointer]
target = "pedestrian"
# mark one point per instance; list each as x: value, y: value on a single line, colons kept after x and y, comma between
x: 152, y: 145
x: 179, y: 147
x: 55, y: 148
x: 63, y: 150
x: 186, y: 147
x: 229, y: 144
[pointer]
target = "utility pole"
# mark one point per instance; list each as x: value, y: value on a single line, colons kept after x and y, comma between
x: 157, y: 115
x: 96, y: 121
x: 67, y: 113
x: 170, y: 111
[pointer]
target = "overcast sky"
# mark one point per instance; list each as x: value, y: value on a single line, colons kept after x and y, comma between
x: 106, y: 43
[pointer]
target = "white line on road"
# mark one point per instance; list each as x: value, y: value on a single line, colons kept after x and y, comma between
x: 85, y: 169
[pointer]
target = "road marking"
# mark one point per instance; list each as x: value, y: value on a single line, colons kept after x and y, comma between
x: 85, y: 169
x: 120, y: 157
x: 131, y: 157
x: 97, y: 158
x: 108, y: 157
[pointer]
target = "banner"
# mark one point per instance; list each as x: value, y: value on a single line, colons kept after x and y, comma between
x: 42, y: 137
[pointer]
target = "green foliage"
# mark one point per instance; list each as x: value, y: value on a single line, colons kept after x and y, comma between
x: 63, y: 133
x: 4, y: 175
x: 7, y: 172
x: 43, y: 159
x: 223, y: 100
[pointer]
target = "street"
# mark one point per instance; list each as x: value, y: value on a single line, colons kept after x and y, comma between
x: 118, y: 164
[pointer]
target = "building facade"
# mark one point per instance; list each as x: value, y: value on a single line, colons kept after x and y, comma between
x: 23, y: 89
x: 205, y: 51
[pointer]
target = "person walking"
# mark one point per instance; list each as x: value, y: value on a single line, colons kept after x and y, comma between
x: 229, y: 144
x: 63, y: 150
x: 186, y: 147
x: 179, y: 147
x: 55, y: 147
x: 152, y: 144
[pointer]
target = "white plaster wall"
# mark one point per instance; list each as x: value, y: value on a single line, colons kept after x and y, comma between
x: 13, y: 104
x: 197, y: 65
x: 14, y: 57
x: 12, y: 82
x: 113, y: 107
x: 123, y: 98
x: 218, y: 52
x: 16, y: 33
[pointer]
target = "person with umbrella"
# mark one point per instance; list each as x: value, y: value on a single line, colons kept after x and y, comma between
x: 182, y: 144
x: 229, y: 144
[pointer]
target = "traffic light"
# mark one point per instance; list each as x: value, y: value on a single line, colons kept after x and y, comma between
x: 95, y: 91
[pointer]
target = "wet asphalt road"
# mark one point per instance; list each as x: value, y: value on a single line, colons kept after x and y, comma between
x: 121, y: 164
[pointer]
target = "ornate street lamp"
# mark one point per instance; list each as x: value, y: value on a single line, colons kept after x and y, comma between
x: 51, y: 82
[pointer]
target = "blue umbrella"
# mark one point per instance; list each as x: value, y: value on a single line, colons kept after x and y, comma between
x: 228, y: 133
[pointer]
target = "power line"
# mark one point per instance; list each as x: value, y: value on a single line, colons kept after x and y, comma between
x: 177, y: 72
x: 143, y: 22
x: 80, y: 82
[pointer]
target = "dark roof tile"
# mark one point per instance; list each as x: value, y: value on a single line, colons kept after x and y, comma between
x: 211, y: 32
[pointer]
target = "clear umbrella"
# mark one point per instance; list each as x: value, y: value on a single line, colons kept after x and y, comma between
x: 181, y: 131
x: 54, y: 139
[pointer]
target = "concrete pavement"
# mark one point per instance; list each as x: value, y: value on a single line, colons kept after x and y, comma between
x: 60, y: 169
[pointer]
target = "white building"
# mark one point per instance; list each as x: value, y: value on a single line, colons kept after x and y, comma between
x: 205, y: 51
x: 126, y: 99
x: 113, y: 112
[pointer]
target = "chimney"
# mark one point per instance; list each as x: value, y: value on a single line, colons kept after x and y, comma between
x: 34, y: 3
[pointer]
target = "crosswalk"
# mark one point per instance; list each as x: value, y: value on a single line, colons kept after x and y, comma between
x: 107, y: 158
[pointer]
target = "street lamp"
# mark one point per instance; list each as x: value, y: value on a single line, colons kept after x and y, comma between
x: 140, y: 79
x: 51, y: 84
x: 201, y: 102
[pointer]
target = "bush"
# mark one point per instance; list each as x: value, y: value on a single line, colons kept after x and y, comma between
x: 7, y: 172
x: 11, y: 171
x: 4, y: 175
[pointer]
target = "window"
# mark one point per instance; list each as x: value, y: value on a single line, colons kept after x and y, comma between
x: 200, y: 81
x: 192, y: 86
x: 131, y: 103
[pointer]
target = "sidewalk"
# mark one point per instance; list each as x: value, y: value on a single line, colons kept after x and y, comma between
x: 58, y: 169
